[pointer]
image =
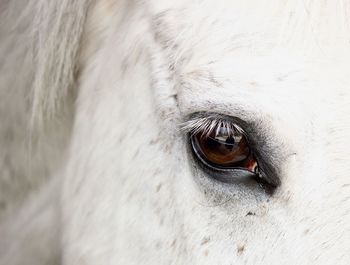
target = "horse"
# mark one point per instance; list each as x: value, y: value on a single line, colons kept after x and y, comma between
x: 174, y: 132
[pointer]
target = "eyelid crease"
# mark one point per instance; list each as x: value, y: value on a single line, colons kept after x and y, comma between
x: 206, y: 123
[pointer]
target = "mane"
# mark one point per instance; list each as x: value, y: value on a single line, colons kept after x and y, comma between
x: 57, y: 31
x: 40, y: 42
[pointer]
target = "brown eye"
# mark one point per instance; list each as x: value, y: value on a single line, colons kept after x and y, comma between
x: 225, y: 147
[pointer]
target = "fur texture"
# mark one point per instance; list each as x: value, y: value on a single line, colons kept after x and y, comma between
x: 123, y: 188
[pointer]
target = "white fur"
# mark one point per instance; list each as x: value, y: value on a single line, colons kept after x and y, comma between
x: 130, y: 191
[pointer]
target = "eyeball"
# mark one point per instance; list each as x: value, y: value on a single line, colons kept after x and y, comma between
x: 224, y: 147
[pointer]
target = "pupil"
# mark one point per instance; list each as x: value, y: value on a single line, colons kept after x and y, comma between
x: 230, y: 140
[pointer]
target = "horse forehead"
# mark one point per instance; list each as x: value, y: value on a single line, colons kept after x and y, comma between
x: 252, y: 61
x: 212, y: 29
x: 252, y: 53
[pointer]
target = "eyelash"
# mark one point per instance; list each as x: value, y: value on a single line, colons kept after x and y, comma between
x: 207, y: 123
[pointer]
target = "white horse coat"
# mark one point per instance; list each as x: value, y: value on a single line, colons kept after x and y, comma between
x: 105, y: 175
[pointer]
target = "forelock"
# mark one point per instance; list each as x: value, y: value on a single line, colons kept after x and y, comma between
x: 57, y: 31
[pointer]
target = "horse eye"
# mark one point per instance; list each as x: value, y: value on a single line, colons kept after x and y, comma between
x: 224, y: 148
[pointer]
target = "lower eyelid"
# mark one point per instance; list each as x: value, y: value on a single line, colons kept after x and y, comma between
x: 235, y: 176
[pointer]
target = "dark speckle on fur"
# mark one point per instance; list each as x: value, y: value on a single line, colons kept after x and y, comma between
x: 250, y: 213
x: 205, y: 240
x: 240, y: 249
x: 173, y: 243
